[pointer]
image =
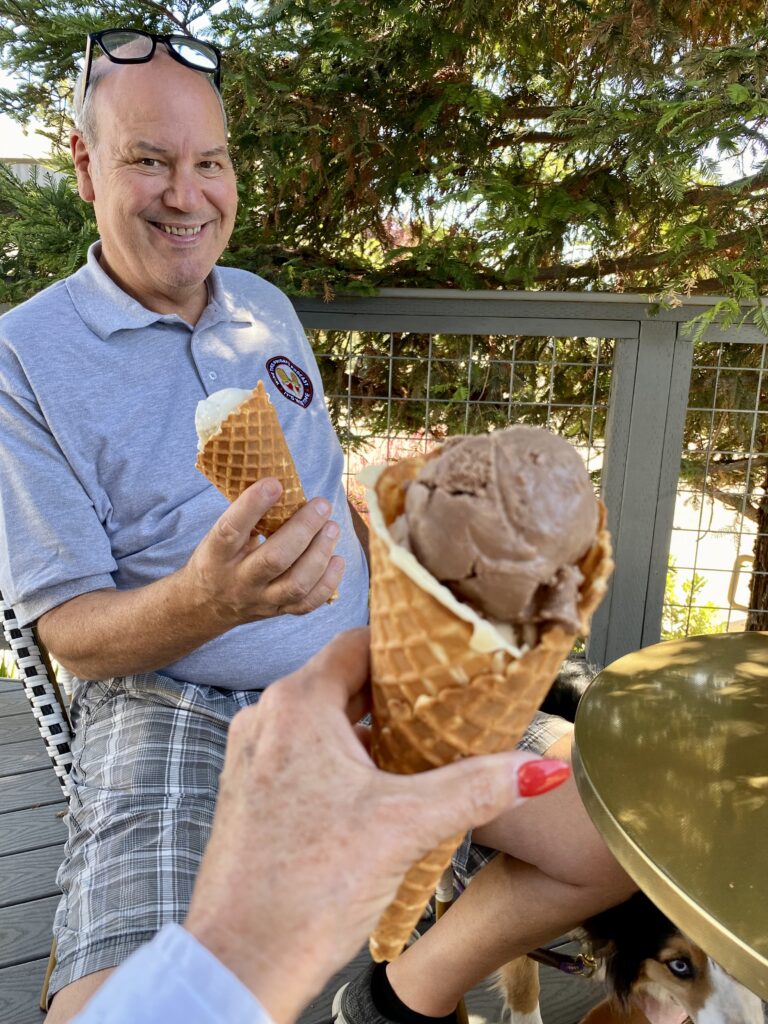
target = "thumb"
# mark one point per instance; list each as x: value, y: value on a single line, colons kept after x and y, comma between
x: 472, y: 792
x: 233, y: 528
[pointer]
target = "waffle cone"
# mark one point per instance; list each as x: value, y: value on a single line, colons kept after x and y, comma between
x: 250, y: 446
x: 446, y: 683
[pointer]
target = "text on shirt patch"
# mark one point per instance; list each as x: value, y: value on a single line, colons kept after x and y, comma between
x: 290, y: 380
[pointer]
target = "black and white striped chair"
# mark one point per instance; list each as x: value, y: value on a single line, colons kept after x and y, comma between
x: 50, y: 711
x: 43, y: 692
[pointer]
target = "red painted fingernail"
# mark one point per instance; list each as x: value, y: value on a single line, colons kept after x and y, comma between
x: 537, y: 777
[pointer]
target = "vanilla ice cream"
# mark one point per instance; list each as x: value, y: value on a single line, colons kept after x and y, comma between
x: 213, y: 410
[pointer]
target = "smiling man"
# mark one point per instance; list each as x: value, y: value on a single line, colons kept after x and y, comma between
x: 143, y: 582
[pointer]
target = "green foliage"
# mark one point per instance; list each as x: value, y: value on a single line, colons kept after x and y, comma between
x: 45, y: 231
x: 7, y: 668
x: 684, y: 614
x: 458, y: 144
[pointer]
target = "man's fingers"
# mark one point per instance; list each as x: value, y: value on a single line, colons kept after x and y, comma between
x: 320, y: 594
x: 311, y: 578
x: 233, y: 528
x: 306, y: 529
x: 472, y: 792
x: 338, y: 673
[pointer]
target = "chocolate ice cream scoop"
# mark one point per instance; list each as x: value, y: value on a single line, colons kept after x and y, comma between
x: 502, y: 519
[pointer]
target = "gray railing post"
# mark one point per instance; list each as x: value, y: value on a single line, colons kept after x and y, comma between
x: 651, y: 378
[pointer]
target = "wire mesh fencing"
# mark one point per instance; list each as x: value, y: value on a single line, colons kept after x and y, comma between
x: 719, y: 546
x: 395, y: 394
x: 392, y: 394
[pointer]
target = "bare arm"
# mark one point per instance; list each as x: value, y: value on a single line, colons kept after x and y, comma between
x: 229, y: 580
x: 361, y: 530
x: 115, y: 632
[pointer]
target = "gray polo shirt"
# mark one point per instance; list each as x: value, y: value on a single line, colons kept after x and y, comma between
x: 98, y: 486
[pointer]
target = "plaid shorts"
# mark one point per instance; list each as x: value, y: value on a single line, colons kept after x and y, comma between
x: 543, y: 731
x: 147, y: 753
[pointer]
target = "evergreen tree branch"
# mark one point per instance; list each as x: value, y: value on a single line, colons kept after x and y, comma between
x: 622, y: 264
x: 726, y: 466
x: 714, y: 195
x: 167, y: 13
x: 517, y: 138
x: 732, y: 501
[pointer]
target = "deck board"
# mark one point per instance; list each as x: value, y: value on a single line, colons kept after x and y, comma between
x: 32, y: 828
x: 18, y: 728
x: 20, y: 991
x: 25, y: 931
x: 13, y: 700
x: 31, y: 789
x: 30, y: 875
x: 24, y: 756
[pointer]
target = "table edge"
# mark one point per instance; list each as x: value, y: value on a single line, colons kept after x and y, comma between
x: 749, y: 967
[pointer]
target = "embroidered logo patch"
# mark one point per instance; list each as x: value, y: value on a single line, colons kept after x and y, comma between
x: 290, y: 380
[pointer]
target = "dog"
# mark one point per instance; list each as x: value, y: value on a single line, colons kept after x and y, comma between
x: 653, y: 972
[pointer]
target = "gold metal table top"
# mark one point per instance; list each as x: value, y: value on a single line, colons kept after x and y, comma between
x: 672, y: 764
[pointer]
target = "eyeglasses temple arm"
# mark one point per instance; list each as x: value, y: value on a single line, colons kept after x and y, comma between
x: 87, y: 75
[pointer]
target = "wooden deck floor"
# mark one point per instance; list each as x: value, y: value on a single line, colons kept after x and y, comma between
x: 31, y: 836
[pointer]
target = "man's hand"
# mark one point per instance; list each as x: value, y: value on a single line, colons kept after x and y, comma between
x: 241, y: 580
x: 229, y: 580
x: 310, y: 840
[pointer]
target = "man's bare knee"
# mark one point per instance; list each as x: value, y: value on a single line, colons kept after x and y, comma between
x: 562, y: 748
x: 70, y: 1000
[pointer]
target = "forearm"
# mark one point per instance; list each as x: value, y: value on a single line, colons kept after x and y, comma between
x: 361, y: 530
x: 227, y: 582
x: 117, y: 632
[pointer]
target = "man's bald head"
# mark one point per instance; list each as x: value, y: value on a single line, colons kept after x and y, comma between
x: 85, y: 108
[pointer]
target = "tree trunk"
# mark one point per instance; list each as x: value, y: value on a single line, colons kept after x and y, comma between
x: 757, y: 618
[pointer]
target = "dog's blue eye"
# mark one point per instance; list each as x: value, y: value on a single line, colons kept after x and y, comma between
x: 681, y: 968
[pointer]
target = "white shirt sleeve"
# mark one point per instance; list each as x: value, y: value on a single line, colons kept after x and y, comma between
x: 173, y: 980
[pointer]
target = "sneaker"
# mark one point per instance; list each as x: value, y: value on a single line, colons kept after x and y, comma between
x: 353, y: 1003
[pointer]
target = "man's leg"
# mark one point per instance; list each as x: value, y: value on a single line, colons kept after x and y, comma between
x: 558, y: 872
x: 70, y: 1000
x: 147, y: 756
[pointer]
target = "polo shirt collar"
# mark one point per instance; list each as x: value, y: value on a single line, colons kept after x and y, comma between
x: 105, y: 308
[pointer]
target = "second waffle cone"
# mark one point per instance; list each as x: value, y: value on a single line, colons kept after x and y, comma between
x: 443, y: 689
x: 250, y: 446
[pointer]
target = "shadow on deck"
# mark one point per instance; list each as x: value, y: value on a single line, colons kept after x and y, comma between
x: 32, y: 833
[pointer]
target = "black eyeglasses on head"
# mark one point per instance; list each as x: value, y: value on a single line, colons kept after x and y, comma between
x: 134, y: 46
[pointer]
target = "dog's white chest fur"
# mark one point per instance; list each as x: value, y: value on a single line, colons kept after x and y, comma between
x: 728, y: 1002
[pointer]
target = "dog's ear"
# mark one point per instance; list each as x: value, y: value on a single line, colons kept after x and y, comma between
x: 623, y: 937
x: 603, y: 948
x: 620, y: 972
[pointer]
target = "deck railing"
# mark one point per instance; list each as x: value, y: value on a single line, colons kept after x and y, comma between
x: 672, y: 431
